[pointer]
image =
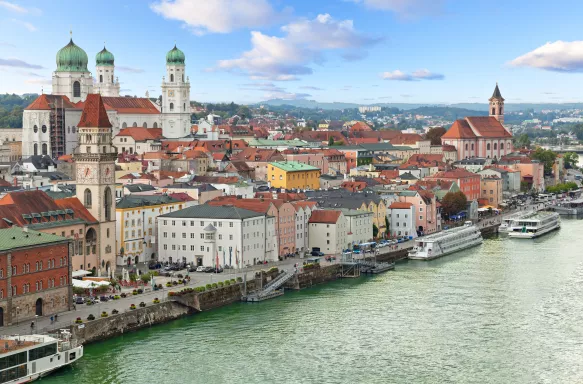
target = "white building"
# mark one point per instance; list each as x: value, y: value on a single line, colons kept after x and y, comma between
x: 359, y: 228
x: 402, y: 219
x: 201, y: 233
x: 369, y: 108
x: 239, y: 188
x: 106, y: 83
x: 72, y: 78
x: 328, y: 231
x: 303, y: 214
x: 176, y: 120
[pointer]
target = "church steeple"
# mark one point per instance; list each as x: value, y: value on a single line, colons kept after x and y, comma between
x: 497, y: 105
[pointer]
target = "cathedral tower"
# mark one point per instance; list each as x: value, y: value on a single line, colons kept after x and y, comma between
x: 106, y: 83
x: 497, y: 105
x: 72, y: 78
x: 175, y: 96
x: 95, y: 161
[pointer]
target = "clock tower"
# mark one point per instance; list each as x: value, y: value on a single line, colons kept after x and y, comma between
x: 176, y: 121
x: 95, y: 162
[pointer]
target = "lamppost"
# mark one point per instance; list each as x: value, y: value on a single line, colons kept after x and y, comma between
x: 17, y: 312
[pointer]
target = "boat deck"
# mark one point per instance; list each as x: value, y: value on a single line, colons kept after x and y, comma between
x: 11, y: 344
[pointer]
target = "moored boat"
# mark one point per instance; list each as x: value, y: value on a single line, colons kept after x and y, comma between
x: 26, y: 358
x: 507, y: 221
x: 446, y: 242
x: 534, y: 226
x: 568, y: 208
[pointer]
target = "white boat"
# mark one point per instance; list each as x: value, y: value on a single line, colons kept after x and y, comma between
x: 568, y: 207
x: 446, y: 242
x: 507, y: 221
x: 535, y: 225
x: 25, y: 358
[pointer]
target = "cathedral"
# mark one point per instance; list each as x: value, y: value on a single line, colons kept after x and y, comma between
x: 51, y: 122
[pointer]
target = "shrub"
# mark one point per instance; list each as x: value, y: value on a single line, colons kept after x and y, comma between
x: 156, y: 301
x: 133, y: 277
x: 272, y: 269
x: 239, y: 279
x: 134, y: 292
x: 78, y: 291
x: 90, y: 317
x: 180, y: 275
x: 233, y: 281
x: 227, y: 283
x: 119, y: 278
x: 140, y: 290
x: 133, y: 306
x: 116, y: 297
x: 200, y: 289
x: 179, y: 281
x: 104, y: 314
x: 215, y: 285
x: 142, y: 304
x: 209, y: 286
x: 78, y: 321
x: 146, y: 277
x: 114, y: 312
x: 174, y: 282
x: 89, y: 302
x: 221, y: 284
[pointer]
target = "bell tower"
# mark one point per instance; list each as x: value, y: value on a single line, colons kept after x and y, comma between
x: 176, y: 121
x: 497, y: 105
x: 95, y: 161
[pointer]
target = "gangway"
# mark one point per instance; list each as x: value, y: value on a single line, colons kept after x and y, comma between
x: 271, y: 289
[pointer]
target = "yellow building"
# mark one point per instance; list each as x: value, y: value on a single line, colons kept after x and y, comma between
x: 293, y: 174
x: 492, y: 190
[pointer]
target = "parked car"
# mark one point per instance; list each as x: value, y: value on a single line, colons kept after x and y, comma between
x: 209, y: 270
x: 154, y: 266
x: 317, y: 253
x: 103, y: 298
x: 79, y: 300
x: 200, y: 269
x: 330, y: 258
x: 192, y: 269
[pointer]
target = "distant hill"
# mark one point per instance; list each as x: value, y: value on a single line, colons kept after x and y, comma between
x: 448, y: 113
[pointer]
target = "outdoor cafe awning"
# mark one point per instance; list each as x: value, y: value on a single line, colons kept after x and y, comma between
x: 86, y: 284
x: 80, y: 273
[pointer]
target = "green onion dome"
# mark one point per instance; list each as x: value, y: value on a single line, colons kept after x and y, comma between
x: 104, y: 57
x: 71, y: 58
x: 175, y: 56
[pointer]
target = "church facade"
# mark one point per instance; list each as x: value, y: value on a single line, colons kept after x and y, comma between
x: 481, y: 136
x: 51, y: 122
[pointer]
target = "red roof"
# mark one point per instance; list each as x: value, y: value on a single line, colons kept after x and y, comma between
x: 48, y: 102
x: 484, y: 126
x: 460, y: 129
x: 325, y: 217
x: 94, y: 114
x: 133, y: 105
x: 353, y: 186
x: 400, y: 205
x: 257, y: 154
x: 77, y: 207
x: 363, y: 140
x: 456, y: 173
x: 406, y: 139
x: 182, y: 196
x: 142, y: 134
x: 360, y: 126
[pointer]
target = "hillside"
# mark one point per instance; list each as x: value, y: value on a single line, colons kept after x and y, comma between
x: 11, y: 107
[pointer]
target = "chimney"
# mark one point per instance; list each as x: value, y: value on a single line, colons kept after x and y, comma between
x: 25, y: 228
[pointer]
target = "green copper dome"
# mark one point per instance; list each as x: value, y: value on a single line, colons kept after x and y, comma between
x: 71, y: 58
x: 175, y: 56
x: 104, y: 57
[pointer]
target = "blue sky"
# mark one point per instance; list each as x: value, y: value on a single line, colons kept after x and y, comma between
x: 362, y: 51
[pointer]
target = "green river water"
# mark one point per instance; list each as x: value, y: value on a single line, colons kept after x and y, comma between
x: 509, y: 311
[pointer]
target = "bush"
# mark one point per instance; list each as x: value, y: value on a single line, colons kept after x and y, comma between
x: 146, y: 277
x: 140, y: 290
x: 104, y: 314
x: 239, y: 279
x: 116, y: 297
x: 142, y: 304
x: 170, y: 294
x: 114, y: 312
x: 89, y: 302
x: 215, y: 285
x: 133, y: 277
x: 227, y: 283
x: 221, y: 284
x: 233, y: 281
x: 156, y: 301
x: 310, y: 266
x: 133, y: 306
x: 174, y: 282
x: 154, y: 273
x: 179, y: 281
x: 200, y: 289
x: 90, y: 317
x: 272, y: 269
x: 180, y: 275
x: 78, y: 321
x: 209, y: 286
x: 134, y: 292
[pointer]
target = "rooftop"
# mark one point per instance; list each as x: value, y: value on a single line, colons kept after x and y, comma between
x: 16, y: 237
x: 293, y: 166
x: 206, y: 211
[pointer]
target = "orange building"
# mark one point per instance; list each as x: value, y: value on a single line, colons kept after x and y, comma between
x: 468, y: 182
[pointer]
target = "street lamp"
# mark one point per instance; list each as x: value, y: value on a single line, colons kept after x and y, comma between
x: 17, y: 311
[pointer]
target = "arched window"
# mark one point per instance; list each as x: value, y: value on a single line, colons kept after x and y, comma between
x: 73, y: 129
x: 171, y: 77
x: 171, y: 106
x: 35, y: 149
x: 472, y: 146
x: 134, y: 124
x: 501, y: 146
x: 45, y: 149
x: 35, y: 129
x: 76, y: 89
x: 107, y: 203
x: 488, y: 146
x: 44, y: 129
x: 101, y: 78
x: 495, y: 146
x: 466, y: 147
x: 145, y: 125
x: 184, y: 107
x: 124, y: 125
x: 155, y: 125
x: 493, y: 111
x: 87, y: 198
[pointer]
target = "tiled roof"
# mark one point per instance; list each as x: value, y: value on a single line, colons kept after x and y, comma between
x: 488, y: 126
x: 182, y: 196
x: 94, y: 114
x: 77, y: 207
x: 135, y: 201
x: 142, y: 134
x: 406, y: 139
x: 256, y: 205
x: 293, y: 166
x: 325, y: 216
x: 216, y: 179
x: 460, y: 129
x: 400, y: 205
x: 258, y: 154
x: 48, y: 102
x: 206, y: 211
x: 453, y: 174
x: 131, y: 105
x: 360, y: 126
x: 353, y: 186
x: 15, y: 237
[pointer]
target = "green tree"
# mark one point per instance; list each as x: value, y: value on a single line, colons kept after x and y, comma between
x: 522, y: 141
x: 145, y: 277
x: 434, y: 134
x: 454, y: 202
x: 375, y: 231
x: 331, y: 141
x: 545, y: 156
x: 571, y: 159
x: 244, y: 112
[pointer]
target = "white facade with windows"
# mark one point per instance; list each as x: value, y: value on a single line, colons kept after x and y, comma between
x: 402, y: 221
x: 330, y: 237
x: 240, y: 236
x: 302, y: 229
x: 359, y: 226
x: 176, y: 120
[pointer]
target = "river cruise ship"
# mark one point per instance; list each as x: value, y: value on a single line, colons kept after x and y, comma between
x: 535, y: 226
x: 27, y: 358
x: 446, y: 242
x: 504, y: 228
x: 568, y: 208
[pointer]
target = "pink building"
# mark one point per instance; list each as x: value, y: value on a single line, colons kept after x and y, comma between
x: 330, y: 161
x: 424, y: 209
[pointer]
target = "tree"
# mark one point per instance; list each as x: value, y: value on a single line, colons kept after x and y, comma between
x: 145, y: 277
x: 545, y: 156
x: 571, y: 159
x: 375, y: 231
x: 244, y: 112
x: 454, y: 202
x: 522, y: 141
x: 434, y: 134
x: 331, y: 141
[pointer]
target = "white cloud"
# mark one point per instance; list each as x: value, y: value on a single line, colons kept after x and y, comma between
x: 310, y: 87
x: 129, y: 69
x: 420, y: 74
x: 6, y: 44
x: 219, y: 16
x: 25, y: 24
x: 18, y: 64
x: 287, y: 57
x: 39, y: 81
x: 405, y: 8
x: 560, y: 56
x: 396, y: 75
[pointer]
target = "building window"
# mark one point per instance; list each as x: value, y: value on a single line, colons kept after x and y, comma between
x: 171, y: 107
x: 202, y: 248
x: 76, y: 89
x: 44, y: 129
x: 45, y: 149
x: 35, y: 149
x: 87, y: 197
x: 107, y: 204
x: 488, y: 146
x: 35, y: 129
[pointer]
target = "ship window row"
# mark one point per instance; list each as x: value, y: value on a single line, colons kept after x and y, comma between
x: 39, y: 353
x: 12, y: 360
x: 12, y: 374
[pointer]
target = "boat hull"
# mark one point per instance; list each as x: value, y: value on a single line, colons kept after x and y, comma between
x: 438, y: 255
x: 529, y: 235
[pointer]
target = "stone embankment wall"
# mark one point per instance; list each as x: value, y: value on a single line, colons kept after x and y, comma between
x: 393, y: 256
x: 315, y: 276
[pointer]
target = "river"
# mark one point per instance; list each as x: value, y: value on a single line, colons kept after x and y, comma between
x: 509, y: 311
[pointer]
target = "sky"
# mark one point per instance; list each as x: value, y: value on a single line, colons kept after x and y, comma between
x: 359, y: 51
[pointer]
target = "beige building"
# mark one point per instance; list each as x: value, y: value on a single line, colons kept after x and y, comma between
x: 491, y: 190
x: 328, y: 231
